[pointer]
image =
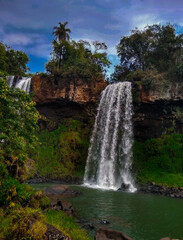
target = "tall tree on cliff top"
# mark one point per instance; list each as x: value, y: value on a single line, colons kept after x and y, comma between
x: 61, y: 32
x: 62, y: 36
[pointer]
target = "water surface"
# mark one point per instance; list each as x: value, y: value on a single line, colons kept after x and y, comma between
x: 140, y: 216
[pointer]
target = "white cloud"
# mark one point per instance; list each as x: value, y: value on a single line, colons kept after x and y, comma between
x: 142, y: 20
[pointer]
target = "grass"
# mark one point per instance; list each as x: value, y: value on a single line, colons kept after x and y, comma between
x: 66, y: 225
x: 161, y: 178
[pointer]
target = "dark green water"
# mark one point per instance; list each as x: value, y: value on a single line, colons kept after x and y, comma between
x: 141, y: 216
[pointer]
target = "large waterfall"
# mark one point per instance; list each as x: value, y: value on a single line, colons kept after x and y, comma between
x: 23, y: 83
x: 110, y: 153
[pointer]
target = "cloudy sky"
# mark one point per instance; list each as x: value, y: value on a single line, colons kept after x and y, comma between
x: 27, y: 24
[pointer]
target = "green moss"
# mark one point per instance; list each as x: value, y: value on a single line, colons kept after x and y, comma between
x: 160, y: 160
x: 66, y: 225
x: 63, y: 151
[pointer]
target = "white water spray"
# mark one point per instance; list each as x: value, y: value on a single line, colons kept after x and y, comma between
x: 110, y: 153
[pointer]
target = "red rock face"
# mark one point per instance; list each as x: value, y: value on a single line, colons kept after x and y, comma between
x: 80, y: 93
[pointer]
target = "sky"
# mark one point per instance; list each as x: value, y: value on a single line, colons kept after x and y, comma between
x: 27, y: 25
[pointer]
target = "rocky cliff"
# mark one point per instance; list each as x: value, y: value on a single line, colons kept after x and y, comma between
x: 158, y: 111
x: 76, y: 101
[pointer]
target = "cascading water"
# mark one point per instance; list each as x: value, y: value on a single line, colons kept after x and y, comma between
x: 110, y: 153
x: 22, y: 83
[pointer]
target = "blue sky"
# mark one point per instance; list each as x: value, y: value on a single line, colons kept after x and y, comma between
x: 27, y: 24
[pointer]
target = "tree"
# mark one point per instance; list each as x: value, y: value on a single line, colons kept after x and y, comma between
x: 61, y: 32
x: 156, y: 47
x: 18, y: 124
x: 62, y: 36
x: 12, y: 62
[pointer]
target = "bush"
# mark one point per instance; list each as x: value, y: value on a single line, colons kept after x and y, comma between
x: 11, y: 191
x: 39, y: 200
x: 24, y: 223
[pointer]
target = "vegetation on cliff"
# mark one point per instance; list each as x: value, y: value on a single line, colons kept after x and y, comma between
x: 150, y: 55
x: 63, y: 151
x: 160, y: 160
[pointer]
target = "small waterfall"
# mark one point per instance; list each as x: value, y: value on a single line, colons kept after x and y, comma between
x: 22, y: 83
x: 110, y: 153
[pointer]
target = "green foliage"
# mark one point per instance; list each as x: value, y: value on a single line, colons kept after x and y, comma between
x: 66, y: 224
x: 18, y: 124
x: 62, y: 151
x: 23, y: 223
x: 73, y: 60
x: 160, y: 160
x: 12, y: 192
x: 12, y: 62
x: 39, y: 200
x: 156, y: 48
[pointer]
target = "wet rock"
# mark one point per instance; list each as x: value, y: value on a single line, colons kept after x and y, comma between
x: 63, y: 205
x: 162, y: 190
x: 106, y: 234
x: 88, y: 226
x: 62, y: 190
x: 54, y: 234
x: 64, y: 180
x: 105, y: 222
x: 125, y: 187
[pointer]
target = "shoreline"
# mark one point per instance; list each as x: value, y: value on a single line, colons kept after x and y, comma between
x: 150, y: 188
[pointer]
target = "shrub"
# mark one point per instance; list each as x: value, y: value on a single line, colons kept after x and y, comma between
x: 11, y: 191
x: 24, y: 223
x: 39, y: 200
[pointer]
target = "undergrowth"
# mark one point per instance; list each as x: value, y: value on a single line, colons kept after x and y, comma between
x: 160, y: 160
x: 63, y: 151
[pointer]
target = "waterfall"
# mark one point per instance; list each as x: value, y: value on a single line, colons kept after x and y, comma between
x: 22, y: 83
x: 110, y: 153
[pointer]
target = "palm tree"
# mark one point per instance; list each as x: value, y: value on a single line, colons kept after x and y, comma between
x: 61, y: 32
x: 62, y: 35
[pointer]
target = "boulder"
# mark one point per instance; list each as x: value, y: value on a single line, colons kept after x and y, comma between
x: 106, y: 234
x: 54, y: 234
x: 61, y: 190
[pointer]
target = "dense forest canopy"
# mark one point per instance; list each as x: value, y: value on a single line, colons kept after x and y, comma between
x: 12, y: 62
x: 156, y: 48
